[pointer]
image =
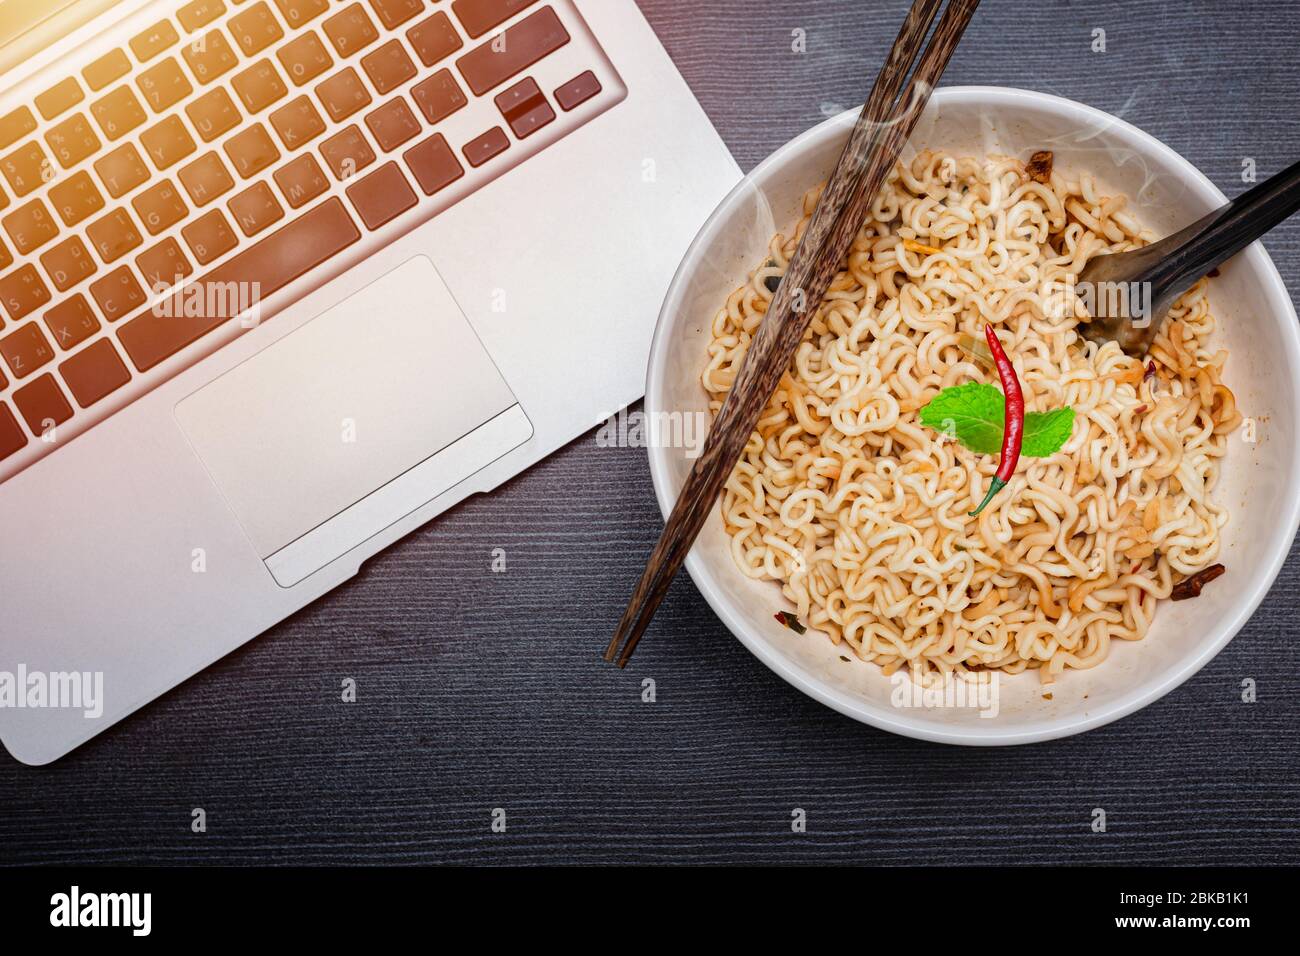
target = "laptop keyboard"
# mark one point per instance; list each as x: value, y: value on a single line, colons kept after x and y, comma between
x: 155, y: 192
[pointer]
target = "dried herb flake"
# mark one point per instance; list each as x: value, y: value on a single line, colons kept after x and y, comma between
x: 790, y: 621
x: 1191, y: 587
x: 1039, y: 167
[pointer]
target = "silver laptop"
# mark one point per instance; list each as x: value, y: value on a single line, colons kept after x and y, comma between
x: 281, y: 280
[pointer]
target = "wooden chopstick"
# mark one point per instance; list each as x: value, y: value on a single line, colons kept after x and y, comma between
x: 872, y: 149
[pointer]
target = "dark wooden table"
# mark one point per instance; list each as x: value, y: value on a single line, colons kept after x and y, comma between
x: 481, y: 690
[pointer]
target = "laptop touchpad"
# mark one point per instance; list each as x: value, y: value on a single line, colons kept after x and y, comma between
x: 353, y: 421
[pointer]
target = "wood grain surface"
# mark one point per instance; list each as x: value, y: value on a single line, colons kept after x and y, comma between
x: 481, y: 690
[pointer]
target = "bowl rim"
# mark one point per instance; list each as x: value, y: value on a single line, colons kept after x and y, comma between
x: 1049, y: 729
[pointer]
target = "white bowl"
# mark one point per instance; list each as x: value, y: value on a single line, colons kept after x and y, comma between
x: 1260, y: 485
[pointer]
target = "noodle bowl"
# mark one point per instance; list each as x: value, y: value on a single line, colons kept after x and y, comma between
x: 859, y: 511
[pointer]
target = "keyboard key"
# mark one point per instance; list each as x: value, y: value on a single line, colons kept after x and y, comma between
x: 209, y: 236
x: 163, y: 265
x: 349, y: 30
x: 521, y: 45
x: 255, y: 29
x: 72, y: 140
x: 577, y: 91
x: 298, y: 12
x: 117, y: 294
x: 259, y: 86
x: 200, y: 13
x: 113, y: 65
x: 151, y: 42
x: 480, y: 16
x: 392, y: 125
x: 168, y: 142
x: 273, y: 262
x: 94, y: 372
x: 26, y: 350
x: 76, y: 198
x: 342, y: 94
x: 118, y: 113
x: 12, y: 438
x: 60, y: 97
x: 121, y: 170
x: 525, y: 108
x: 301, y: 181
x: 297, y: 123
x: 15, y: 125
x: 42, y: 405
x: 251, y: 150
x: 255, y: 208
x: 209, y: 57
x: 212, y: 114
x: 439, y: 96
x: 71, y: 322
x: 434, y: 164
x: 482, y: 148
x: 27, y: 168
x: 22, y: 292
x: 393, y: 13
x: 159, y: 207
x: 68, y: 263
x: 206, y: 178
x: 434, y: 39
x: 6, y: 260
x: 388, y: 67
x: 30, y: 226
x: 304, y: 58
x: 114, y: 235
x: 164, y: 85
x: 347, y: 153
x: 381, y: 196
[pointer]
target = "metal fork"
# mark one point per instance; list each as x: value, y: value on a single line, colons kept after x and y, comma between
x: 1155, y: 275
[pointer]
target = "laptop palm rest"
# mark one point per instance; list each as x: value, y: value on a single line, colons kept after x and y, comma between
x: 353, y: 421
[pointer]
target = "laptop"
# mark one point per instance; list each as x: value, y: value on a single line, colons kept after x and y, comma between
x: 280, y: 281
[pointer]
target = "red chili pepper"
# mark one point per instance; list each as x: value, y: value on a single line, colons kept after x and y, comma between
x: 1013, y: 418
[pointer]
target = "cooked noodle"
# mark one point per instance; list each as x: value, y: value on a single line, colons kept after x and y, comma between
x: 860, y: 512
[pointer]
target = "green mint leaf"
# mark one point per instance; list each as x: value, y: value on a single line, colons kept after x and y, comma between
x: 974, y: 413
x: 971, y: 413
x: 1046, y: 432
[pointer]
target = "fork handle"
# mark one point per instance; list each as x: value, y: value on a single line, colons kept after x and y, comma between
x: 1220, y: 235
